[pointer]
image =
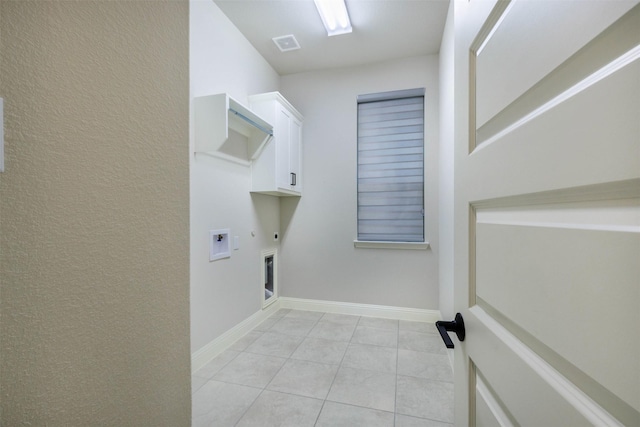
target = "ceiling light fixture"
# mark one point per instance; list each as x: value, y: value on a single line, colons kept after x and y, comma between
x: 334, y: 16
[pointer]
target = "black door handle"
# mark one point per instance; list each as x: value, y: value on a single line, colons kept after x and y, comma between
x: 456, y: 326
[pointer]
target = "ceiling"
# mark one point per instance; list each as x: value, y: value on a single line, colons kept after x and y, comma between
x: 382, y: 30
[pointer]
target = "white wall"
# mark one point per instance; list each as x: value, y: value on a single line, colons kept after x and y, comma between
x: 318, y: 259
x: 446, y: 168
x: 227, y: 291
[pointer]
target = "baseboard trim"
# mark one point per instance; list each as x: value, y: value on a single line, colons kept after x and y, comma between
x: 207, y: 353
x: 369, y: 310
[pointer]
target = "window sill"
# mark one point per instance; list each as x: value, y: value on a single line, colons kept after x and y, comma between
x: 391, y: 245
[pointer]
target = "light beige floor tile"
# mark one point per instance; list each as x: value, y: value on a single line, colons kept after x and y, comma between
x: 306, y: 315
x: 419, y: 341
x: 253, y: 370
x: 281, y: 410
x: 375, y: 336
x: 407, y: 421
x: 425, y: 399
x: 375, y: 322
x: 333, y: 331
x: 345, y: 319
x: 220, y: 404
x: 424, y: 365
x: 245, y: 341
x: 370, y: 357
x: 293, y: 326
x: 375, y: 390
x: 321, y: 350
x: 211, y: 368
x: 275, y: 344
x: 340, y: 415
x: 197, y: 383
x: 280, y: 313
x: 304, y: 378
x: 424, y: 327
x: 266, y: 324
x: 366, y: 368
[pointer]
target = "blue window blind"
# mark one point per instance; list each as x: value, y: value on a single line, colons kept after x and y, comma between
x: 391, y: 166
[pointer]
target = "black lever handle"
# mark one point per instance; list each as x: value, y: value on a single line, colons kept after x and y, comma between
x: 456, y: 326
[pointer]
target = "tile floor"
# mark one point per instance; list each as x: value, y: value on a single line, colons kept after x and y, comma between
x: 303, y: 368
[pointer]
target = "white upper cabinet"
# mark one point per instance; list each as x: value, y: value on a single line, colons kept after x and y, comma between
x: 277, y: 168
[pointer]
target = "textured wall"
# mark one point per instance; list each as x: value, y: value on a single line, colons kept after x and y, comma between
x: 94, y: 212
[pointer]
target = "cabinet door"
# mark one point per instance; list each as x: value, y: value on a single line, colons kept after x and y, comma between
x: 282, y: 138
x: 295, y: 138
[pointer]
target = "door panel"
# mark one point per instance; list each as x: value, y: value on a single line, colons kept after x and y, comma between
x: 547, y: 212
x: 587, y: 138
x: 531, y: 391
x: 552, y: 282
x: 504, y: 69
x: 600, y: 57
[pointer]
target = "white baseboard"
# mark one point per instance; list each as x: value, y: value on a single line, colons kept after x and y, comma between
x: 224, y: 341
x: 207, y: 353
x: 369, y: 310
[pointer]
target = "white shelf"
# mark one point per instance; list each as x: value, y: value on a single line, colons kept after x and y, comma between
x: 216, y: 114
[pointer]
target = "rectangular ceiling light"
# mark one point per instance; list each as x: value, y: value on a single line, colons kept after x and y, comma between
x: 334, y: 16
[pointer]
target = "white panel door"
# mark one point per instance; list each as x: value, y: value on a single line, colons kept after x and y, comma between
x: 547, y: 212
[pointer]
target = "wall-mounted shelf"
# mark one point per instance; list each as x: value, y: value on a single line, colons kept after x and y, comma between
x: 214, y: 115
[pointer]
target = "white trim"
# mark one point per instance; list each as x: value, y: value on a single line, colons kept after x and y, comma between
x: 207, y: 353
x: 368, y: 310
x: 391, y: 245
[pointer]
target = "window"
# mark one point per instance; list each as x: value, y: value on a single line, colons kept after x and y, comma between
x: 391, y: 166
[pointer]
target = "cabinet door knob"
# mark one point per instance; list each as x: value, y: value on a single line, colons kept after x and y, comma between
x: 293, y: 178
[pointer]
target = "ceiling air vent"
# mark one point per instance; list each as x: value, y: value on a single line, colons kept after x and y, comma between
x: 286, y: 43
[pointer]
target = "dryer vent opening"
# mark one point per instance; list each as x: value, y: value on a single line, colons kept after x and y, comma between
x: 269, y: 276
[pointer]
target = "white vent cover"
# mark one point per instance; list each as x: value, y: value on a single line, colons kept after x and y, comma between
x: 286, y: 43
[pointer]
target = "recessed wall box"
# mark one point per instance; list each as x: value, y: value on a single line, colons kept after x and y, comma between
x: 219, y: 244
